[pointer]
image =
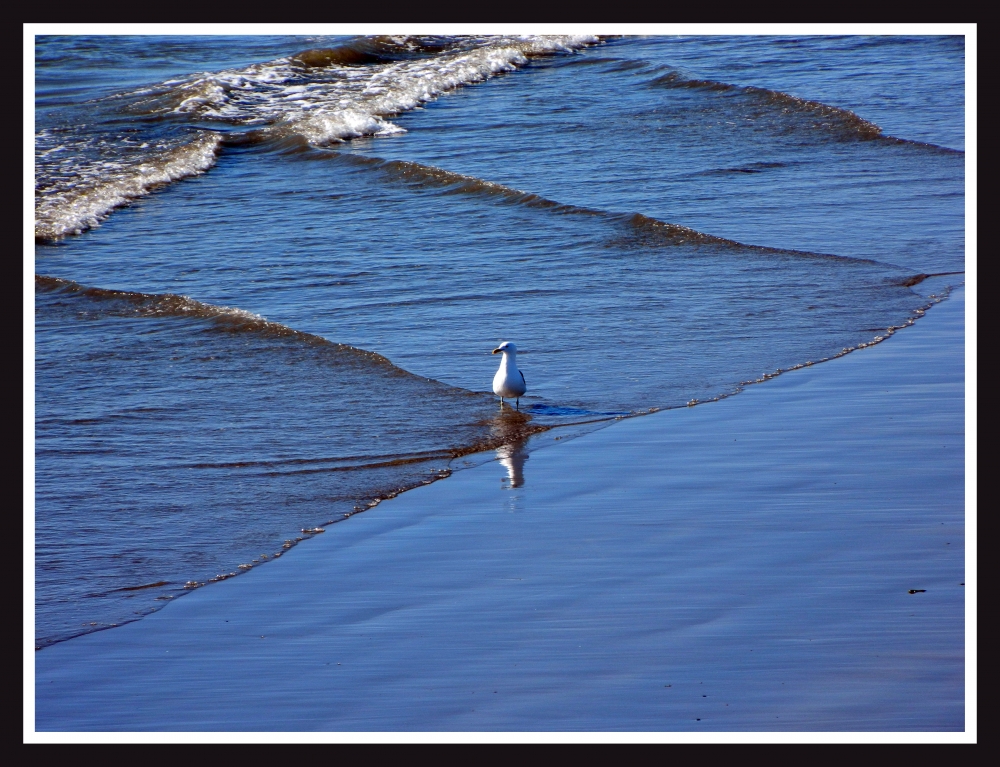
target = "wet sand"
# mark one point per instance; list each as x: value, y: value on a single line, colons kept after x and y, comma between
x: 789, y: 559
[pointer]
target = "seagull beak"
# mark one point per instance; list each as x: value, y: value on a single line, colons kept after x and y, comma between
x: 495, y: 351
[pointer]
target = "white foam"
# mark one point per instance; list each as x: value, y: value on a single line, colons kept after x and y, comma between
x: 93, y: 191
x: 338, y: 102
x: 90, y: 175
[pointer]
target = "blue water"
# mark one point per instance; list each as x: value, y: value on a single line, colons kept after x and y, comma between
x: 272, y: 269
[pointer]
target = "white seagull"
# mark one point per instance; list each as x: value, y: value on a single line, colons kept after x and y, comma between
x: 509, y: 381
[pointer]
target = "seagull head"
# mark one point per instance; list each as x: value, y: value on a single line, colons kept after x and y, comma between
x: 505, y: 347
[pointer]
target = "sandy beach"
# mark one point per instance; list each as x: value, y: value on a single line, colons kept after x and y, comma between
x: 790, y: 559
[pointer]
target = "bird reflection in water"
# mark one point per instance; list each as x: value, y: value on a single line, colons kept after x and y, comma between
x: 512, y: 458
x: 512, y: 427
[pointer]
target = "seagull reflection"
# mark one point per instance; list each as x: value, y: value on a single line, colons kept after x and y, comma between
x: 512, y: 458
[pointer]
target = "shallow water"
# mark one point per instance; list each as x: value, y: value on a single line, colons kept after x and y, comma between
x: 652, y: 220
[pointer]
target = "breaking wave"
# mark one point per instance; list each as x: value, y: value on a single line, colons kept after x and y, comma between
x: 78, y: 197
x: 319, y: 96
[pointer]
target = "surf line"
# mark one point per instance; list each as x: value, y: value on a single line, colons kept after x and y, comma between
x: 916, y: 279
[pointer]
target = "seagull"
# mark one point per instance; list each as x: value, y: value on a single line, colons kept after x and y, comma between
x: 509, y: 381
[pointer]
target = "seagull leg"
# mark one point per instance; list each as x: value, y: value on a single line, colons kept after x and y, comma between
x: 501, y: 403
x: 517, y: 404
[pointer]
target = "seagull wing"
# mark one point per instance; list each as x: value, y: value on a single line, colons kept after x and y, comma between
x: 522, y: 380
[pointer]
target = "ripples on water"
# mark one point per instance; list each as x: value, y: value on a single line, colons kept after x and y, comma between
x: 655, y: 221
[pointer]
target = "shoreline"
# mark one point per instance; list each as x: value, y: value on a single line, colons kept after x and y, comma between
x: 463, y: 459
x: 518, y: 438
x: 653, y: 541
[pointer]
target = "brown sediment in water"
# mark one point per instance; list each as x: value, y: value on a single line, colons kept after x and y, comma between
x: 916, y: 279
x: 377, y: 49
x: 223, y: 318
x: 145, y: 586
x: 836, y: 117
x: 655, y: 231
x: 838, y: 120
x: 344, y: 56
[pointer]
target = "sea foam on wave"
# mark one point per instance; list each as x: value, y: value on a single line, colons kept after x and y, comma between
x: 335, y: 102
x: 98, y: 189
x: 280, y: 99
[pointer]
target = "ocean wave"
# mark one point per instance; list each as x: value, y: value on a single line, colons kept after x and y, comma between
x: 227, y: 318
x: 652, y: 231
x: 70, y: 200
x: 318, y: 96
x: 838, y: 121
x: 329, y: 95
